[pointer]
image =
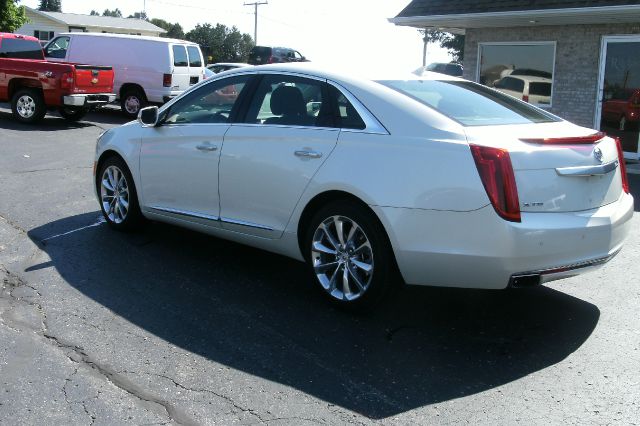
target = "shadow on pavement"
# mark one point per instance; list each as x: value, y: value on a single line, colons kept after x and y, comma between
x: 54, y: 122
x: 258, y: 313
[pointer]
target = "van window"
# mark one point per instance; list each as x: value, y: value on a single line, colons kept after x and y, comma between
x: 57, y: 48
x: 180, y: 56
x: 18, y: 48
x: 195, y: 60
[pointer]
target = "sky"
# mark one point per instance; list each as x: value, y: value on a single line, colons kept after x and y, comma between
x: 352, y: 33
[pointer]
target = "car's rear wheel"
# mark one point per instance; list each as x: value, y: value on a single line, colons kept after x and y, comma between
x: 72, y: 114
x: 349, y: 254
x: 118, y: 196
x: 27, y: 105
x: 132, y: 101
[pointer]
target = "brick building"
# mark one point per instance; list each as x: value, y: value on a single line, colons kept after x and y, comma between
x: 579, y: 59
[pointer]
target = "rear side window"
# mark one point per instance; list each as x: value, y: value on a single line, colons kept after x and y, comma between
x: 509, y: 83
x: 195, y: 60
x: 348, y: 117
x: 20, y: 49
x: 469, y: 103
x: 180, y: 56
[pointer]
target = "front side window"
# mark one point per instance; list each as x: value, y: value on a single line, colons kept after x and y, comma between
x: 211, y: 103
x: 180, y: 56
x: 469, y: 103
x: 291, y: 101
x: 195, y: 60
x: 19, y: 48
x: 529, y: 62
x: 57, y: 48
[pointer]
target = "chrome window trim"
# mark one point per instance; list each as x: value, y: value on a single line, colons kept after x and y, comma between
x: 286, y: 126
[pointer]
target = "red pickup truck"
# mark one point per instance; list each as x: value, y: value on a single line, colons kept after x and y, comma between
x: 34, y: 85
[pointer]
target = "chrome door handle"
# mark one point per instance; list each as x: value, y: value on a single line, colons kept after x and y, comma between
x: 207, y: 147
x: 308, y: 154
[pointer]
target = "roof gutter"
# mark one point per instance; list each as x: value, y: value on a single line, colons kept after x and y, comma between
x: 422, y: 21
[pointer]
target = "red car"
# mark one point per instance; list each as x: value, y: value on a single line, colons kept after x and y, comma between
x: 623, y: 108
x: 34, y: 85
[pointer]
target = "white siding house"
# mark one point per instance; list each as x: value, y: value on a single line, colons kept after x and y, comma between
x: 45, y: 25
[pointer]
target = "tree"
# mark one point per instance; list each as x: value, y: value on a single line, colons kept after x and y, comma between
x: 172, y: 30
x: 94, y: 13
x: 222, y: 43
x: 50, y: 6
x: 12, y: 16
x: 454, y: 43
x: 116, y: 13
x: 139, y: 15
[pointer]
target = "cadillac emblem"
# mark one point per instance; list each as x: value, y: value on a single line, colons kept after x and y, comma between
x: 94, y: 80
x: 597, y: 153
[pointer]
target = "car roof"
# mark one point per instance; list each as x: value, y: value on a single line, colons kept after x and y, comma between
x: 350, y: 75
x: 530, y: 78
x: 230, y: 64
x: 20, y: 36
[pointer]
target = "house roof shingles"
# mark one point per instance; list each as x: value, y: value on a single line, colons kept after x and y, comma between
x: 460, y: 7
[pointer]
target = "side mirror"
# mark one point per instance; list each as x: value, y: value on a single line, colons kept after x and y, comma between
x: 148, y: 117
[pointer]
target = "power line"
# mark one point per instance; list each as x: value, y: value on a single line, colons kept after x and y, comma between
x: 255, y: 28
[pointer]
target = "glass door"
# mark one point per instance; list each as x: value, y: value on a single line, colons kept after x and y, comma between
x: 619, y: 92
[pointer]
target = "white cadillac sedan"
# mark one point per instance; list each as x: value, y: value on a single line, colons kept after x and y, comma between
x: 441, y: 180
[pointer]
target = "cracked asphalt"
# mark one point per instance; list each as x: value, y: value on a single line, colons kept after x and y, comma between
x: 167, y: 326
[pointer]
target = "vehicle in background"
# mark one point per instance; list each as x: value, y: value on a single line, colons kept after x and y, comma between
x: 226, y: 66
x: 33, y: 85
x: 147, y: 69
x: 479, y: 189
x: 623, y: 108
x: 533, y: 89
x: 272, y: 55
x: 451, y: 68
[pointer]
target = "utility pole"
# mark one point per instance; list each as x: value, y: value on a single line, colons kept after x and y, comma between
x: 255, y: 29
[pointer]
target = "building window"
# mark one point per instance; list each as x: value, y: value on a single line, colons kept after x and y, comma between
x: 522, y: 70
x: 43, y: 35
x: 77, y: 30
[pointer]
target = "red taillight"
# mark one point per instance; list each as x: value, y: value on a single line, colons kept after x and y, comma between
x: 525, y: 98
x: 66, y: 81
x: 572, y: 140
x: 496, y: 173
x: 623, y: 167
x: 166, y: 80
x: 270, y: 60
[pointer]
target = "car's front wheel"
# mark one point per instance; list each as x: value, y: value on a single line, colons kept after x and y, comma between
x: 118, y: 197
x: 350, y: 256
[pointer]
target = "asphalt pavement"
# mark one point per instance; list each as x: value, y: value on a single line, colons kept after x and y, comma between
x: 167, y: 326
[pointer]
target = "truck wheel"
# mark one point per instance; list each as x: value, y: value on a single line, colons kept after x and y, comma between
x: 72, y: 114
x: 132, y: 101
x: 28, y: 105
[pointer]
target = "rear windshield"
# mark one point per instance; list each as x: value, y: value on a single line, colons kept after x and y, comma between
x: 20, y: 49
x: 469, y: 103
x: 541, y: 89
x: 195, y: 60
x: 261, y: 51
x: 180, y: 56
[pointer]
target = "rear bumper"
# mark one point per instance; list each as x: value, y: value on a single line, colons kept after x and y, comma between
x: 88, y: 100
x: 478, y: 249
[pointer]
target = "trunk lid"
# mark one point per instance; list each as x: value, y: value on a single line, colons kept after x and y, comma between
x: 93, y: 79
x: 565, y: 177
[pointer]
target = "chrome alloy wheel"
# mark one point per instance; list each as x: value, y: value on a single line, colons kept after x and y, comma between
x: 132, y: 104
x: 342, y: 258
x: 26, y: 106
x: 114, y: 193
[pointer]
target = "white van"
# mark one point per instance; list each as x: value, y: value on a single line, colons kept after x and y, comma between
x: 147, y: 69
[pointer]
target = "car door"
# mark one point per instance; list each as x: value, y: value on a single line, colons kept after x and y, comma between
x: 179, y: 157
x: 269, y: 159
x: 180, y: 75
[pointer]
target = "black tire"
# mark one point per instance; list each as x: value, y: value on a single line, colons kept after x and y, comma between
x: 380, y: 257
x: 114, y: 217
x: 132, y: 101
x: 27, y: 105
x: 72, y: 113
